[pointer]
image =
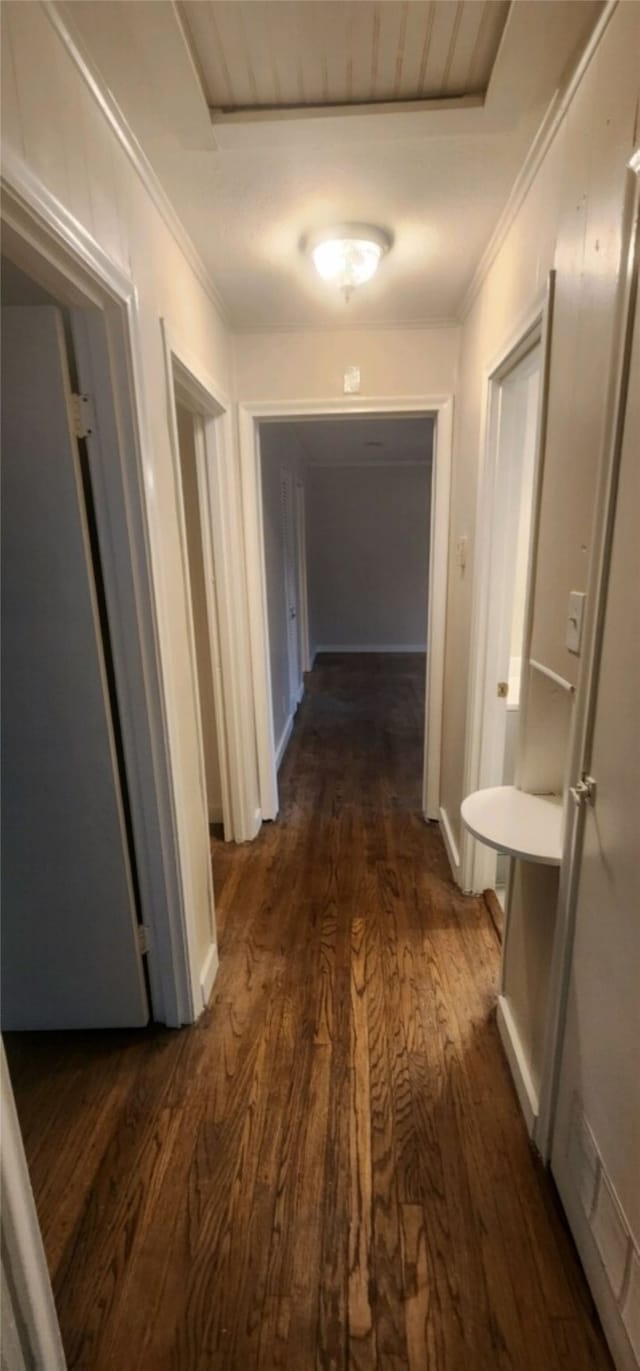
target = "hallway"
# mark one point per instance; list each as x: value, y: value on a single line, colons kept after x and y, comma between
x: 330, y: 1170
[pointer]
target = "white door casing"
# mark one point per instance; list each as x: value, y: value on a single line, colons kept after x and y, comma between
x: 291, y: 580
x: 30, y: 1330
x: 477, y: 862
x: 249, y: 417
x: 516, y: 411
x: 220, y: 509
x: 303, y: 595
x: 48, y: 243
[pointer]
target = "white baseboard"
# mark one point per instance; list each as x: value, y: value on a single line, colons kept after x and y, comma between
x: 519, y: 1066
x: 370, y: 647
x: 209, y: 973
x: 284, y: 739
x: 451, y: 845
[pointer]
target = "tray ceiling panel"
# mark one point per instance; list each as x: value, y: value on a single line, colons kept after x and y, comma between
x: 266, y: 54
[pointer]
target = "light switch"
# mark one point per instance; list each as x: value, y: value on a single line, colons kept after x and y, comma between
x: 352, y: 381
x: 575, y: 613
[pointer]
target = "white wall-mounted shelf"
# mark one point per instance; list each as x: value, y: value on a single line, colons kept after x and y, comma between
x: 515, y: 822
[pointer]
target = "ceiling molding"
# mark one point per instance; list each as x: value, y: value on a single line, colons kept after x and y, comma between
x: 110, y: 109
x: 366, y: 326
x: 274, y: 114
x: 537, y: 152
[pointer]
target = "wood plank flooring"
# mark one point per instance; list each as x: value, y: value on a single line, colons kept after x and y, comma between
x: 329, y: 1170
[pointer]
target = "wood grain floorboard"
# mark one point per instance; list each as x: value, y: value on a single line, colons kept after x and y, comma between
x: 329, y: 1172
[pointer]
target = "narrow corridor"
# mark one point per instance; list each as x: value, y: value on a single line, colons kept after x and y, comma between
x: 330, y: 1170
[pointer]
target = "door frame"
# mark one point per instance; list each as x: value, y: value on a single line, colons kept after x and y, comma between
x: 477, y: 862
x: 189, y: 385
x: 31, y: 1332
x: 291, y: 543
x: 303, y: 588
x: 46, y: 242
x: 250, y: 415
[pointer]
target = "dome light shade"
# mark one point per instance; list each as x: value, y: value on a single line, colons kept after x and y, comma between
x: 348, y: 255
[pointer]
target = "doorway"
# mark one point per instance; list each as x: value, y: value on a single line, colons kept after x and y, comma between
x: 346, y: 526
x: 204, y: 617
x: 99, y: 303
x: 209, y: 527
x: 255, y: 423
x: 508, y: 502
x: 72, y: 909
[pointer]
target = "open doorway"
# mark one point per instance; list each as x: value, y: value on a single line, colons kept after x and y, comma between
x: 509, y: 496
x: 346, y: 523
x: 72, y: 954
x: 204, y: 617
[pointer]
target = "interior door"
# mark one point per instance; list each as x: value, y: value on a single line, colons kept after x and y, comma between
x: 596, y: 1144
x: 70, y: 952
x: 287, y: 490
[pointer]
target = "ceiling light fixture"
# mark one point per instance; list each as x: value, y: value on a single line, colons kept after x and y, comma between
x: 348, y: 254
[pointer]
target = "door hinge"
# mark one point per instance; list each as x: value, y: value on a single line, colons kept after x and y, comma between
x: 584, y: 791
x: 82, y: 415
x: 144, y: 939
x: 502, y: 690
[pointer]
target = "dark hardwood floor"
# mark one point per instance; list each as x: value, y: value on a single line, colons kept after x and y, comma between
x: 330, y: 1169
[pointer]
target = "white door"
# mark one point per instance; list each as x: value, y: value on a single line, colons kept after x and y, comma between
x: 289, y: 540
x: 596, y: 1144
x: 70, y: 954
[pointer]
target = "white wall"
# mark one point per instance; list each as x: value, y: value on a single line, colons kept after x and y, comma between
x: 191, y: 498
x: 55, y: 125
x: 279, y: 450
x: 311, y: 365
x: 368, y: 556
x: 570, y: 219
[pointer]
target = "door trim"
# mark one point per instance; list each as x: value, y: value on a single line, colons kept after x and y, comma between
x: 46, y: 241
x: 220, y: 516
x: 477, y: 863
x: 32, y: 1336
x: 250, y: 414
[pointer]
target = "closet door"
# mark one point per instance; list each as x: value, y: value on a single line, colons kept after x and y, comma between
x: 70, y: 952
x: 596, y: 1146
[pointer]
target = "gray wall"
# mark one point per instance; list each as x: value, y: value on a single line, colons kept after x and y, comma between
x: 368, y: 556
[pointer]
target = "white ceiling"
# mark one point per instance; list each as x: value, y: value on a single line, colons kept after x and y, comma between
x: 357, y: 441
x: 248, y: 188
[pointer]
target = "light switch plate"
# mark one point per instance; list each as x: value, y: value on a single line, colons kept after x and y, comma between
x: 352, y: 381
x: 575, y: 614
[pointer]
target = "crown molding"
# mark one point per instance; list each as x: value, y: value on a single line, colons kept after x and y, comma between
x: 110, y: 109
x: 537, y: 152
x: 365, y: 326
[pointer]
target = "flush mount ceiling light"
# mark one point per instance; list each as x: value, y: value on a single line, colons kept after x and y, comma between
x: 348, y: 255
